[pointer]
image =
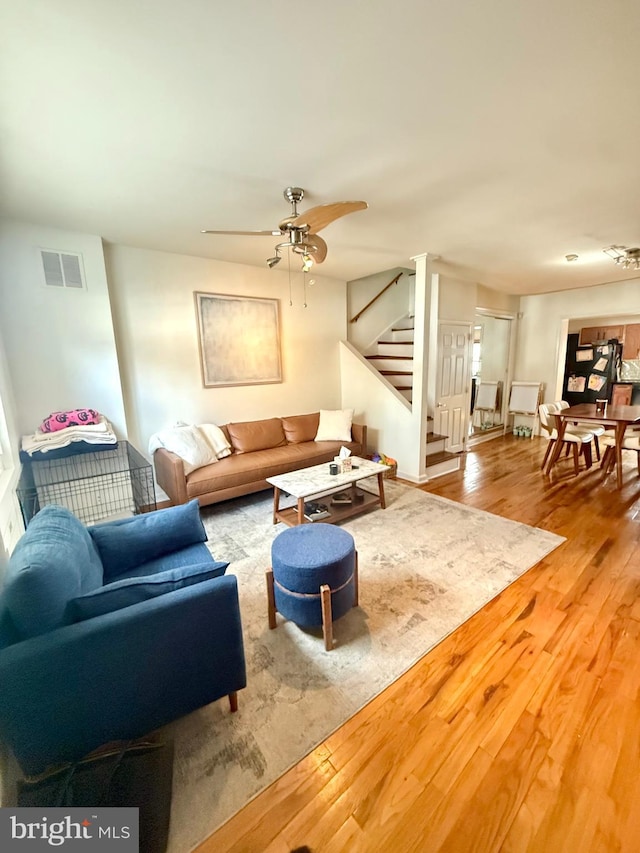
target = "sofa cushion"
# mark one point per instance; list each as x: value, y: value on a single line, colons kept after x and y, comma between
x: 189, y: 556
x: 245, y: 468
x: 335, y: 425
x: 54, y: 561
x: 256, y: 435
x: 124, y: 593
x: 299, y: 428
x: 129, y: 542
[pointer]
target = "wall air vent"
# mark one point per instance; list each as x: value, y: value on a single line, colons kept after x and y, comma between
x: 62, y: 269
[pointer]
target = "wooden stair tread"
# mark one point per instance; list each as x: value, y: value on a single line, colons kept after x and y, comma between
x: 382, y: 357
x: 396, y: 372
x: 434, y: 436
x: 437, y: 458
x: 397, y: 343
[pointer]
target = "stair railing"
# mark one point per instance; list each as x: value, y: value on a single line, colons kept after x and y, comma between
x: 375, y: 298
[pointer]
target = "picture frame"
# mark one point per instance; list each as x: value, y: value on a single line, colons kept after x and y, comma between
x: 239, y: 339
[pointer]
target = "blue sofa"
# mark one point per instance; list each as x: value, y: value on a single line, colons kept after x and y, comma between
x: 111, y: 631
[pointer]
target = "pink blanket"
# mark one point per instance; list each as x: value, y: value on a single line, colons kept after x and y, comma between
x: 75, y: 417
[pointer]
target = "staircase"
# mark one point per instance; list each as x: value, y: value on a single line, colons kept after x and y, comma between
x: 393, y: 359
x: 439, y: 461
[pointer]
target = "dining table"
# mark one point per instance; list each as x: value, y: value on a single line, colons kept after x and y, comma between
x: 618, y: 417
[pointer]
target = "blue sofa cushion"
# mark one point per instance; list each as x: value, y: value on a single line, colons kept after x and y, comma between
x: 52, y: 563
x: 189, y: 556
x: 129, y: 542
x: 123, y: 593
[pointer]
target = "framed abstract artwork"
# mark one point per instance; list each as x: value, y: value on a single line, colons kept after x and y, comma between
x: 239, y: 338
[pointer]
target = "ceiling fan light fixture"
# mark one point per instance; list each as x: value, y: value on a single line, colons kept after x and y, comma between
x: 624, y: 257
x: 299, y: 229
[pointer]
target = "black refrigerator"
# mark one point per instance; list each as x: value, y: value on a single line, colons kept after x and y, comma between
x: 590, y: 370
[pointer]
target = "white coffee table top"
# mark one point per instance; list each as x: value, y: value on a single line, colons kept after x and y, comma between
x: 310, y: 481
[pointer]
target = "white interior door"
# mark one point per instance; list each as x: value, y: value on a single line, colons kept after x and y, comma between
x: 452, y: 384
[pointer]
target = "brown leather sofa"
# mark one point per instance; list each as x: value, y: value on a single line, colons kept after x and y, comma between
x: 261, y: 449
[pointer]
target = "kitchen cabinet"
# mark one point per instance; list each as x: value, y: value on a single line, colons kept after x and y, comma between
x: 600, y: 334
x: 631, y: 343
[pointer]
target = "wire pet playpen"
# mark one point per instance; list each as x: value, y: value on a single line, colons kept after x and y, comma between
x: 95, y: 485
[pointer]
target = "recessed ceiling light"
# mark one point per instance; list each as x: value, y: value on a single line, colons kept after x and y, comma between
x: 571, y: 257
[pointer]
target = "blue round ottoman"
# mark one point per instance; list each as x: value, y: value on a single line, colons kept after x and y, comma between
x: 313, y: 577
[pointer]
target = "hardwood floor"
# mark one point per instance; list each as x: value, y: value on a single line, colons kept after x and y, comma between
x: 521, y: 730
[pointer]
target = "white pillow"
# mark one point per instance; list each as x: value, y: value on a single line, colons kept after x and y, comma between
x: 190, y: 444
x: 335, y: 425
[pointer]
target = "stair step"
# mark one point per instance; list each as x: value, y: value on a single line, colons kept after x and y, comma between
x: 402, y: 335
x: 395, y: 348
x: 391, y: 357
x: 407, y: 322
x: 446, y: 466
x: 397, y: 372
x: 433, y: 436
x: 443, y: 456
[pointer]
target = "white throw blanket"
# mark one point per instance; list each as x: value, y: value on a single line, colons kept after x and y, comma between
x: 41, y: 442
x: 195, y: 445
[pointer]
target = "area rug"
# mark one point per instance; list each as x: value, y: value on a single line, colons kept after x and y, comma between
x: 426, y: 564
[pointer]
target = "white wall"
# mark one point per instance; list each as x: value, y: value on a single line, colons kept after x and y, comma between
x: 393, y: 304
x: 10, y: 518
x: 458, y: 299
x: 157, y: 339
x: 496, y: 300
x: 391, y: 426
x: 59, y: 342
x: 542, y: 340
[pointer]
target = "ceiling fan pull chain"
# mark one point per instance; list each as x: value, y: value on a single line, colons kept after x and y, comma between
x: 289, y: 260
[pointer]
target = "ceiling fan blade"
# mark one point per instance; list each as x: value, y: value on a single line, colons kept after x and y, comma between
x: 320, y: 251
x: 246, y: 233
x: 319, y: 217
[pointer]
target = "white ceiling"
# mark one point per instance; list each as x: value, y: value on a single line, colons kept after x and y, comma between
x: 500, y: 135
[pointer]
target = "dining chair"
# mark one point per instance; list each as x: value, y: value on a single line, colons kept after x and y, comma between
x: 576, y: 440
x: 596, y: 430
x: 631, y: 442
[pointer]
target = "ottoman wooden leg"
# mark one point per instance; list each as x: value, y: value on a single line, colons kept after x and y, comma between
x: 327, y: 621
x: 271, y: 599
x: 233, y: 701
x: 355, y: 581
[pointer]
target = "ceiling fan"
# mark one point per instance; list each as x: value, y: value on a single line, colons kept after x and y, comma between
x: 300, y: 229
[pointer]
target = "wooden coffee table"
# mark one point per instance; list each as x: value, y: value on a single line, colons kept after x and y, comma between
x: 316, y: 482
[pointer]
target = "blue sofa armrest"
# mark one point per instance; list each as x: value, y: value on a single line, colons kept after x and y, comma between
x: 120, y: 675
